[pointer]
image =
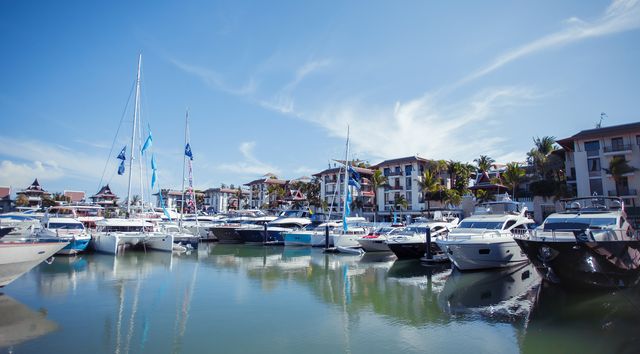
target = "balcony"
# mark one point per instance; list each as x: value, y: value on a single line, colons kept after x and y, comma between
x: 394, y: 173
x: 618, y: 148
x: 623, y: 192
x: 393, y: 188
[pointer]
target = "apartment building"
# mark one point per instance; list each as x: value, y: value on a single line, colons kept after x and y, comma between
x: 332, y: 190
x: 221, y: 200
x: 589, y: 153
x: 403, y: 177
x: 259, y: 191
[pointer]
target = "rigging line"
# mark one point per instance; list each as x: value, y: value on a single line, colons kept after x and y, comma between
x: 124, y: 112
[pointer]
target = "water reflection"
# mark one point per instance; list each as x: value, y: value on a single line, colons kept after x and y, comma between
x: 240, y: 298
x: 19, y: 324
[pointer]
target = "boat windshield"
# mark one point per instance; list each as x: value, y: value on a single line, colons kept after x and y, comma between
x: 65, y: 226
x: 578, y: 223
x: 414, y: 230
x: 489, y: 225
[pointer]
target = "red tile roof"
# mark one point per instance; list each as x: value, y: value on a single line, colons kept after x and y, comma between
x: 75, y: 196
x: 5, y: 192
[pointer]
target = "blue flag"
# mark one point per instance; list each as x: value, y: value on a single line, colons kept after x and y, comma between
x: 347, y: 210
x: 153, y: 162
x: 353, y: 182
x: 153, y: 178
x: 354, y: 174
x: 187, y: 151
x: 147, y: 143
x: 166, y: 213
x: 121, y: 168
x: 122, y: 155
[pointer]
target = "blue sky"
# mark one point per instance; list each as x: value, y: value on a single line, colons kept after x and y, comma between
x: 271, y: 86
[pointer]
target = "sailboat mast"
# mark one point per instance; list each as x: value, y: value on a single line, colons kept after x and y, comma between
x: 133, y: 133
x: 184, y: 161
x: 346, y: 178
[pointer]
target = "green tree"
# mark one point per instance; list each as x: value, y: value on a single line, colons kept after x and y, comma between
x: 22, y: 200
x: 429, y: 184
x: 452, y: 197
x: 47, y: 202
x: 484, y: 163
x: 276, y: 194
x: 618, y: 167
x: 512, y: 176
x: 483, y: 196
x: 539, y: 155
x: 59, y: 197
x: 378, y: 180
x: 401, y: 202
x: 240, y: 196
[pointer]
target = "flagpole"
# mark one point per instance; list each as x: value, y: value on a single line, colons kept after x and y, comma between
x: 133, y: 133
x: 346, y: 182
x: 186, y: 123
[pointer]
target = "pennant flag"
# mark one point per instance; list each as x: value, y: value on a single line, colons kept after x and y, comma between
x: 153, y: 178
x: 347, y: 210
x: 354, y: 174
x: 353, y: 182
x: 166, y: 212
x: 122, y: 155
x: 121, y: 168
x: 147, y: 143
x: 153, y: 162
x: 187, y: 151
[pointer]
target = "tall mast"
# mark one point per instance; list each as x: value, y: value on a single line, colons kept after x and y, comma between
x: 346, y: 178
x: 184, y: 161
x: 133, y: 133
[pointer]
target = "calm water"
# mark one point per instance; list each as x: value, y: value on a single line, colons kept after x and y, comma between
x: 253, y: 299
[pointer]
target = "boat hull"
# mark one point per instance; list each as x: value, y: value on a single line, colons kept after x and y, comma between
x: 252, y: 235
x: 75, y: 246
x: 160, y: 242
x: 113, y: 243
x: 18, y: 258
x: 602, y: 264
x: 474, y: 255
x: 226, y: 234
x: 374, y: 244
x: 298, y: 239
x: 406, y: 250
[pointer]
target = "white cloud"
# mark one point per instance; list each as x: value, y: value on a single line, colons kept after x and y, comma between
x: 621, y: 15
x: 214, y: 79
x: 22, y: 174
x: 250, y: 165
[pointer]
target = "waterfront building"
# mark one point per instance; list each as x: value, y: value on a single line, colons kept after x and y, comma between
x: 34, y: 194
x: 259, y: 196
x: 332, y: 191
x: 6, y: 204
x: 173, y: 199
x: 75, y: 197
x: 588, y: 157
x: 221, y: 200
x: 403, y: 177
x: 105, y: 198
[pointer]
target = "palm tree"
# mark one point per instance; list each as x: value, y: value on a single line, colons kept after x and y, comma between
x: 377, y: 180
x: 429, y: 184
x: 619, y: 166
x: 452, y: 197
x: 483, y: 196
x: 512, y: 176
x: 538, y: 156
x: 240, y: 196
x: 401, y: 202
x: 484, y: 163
x: 22, y: 200
x: 276, y: 192
x: 135, y: 200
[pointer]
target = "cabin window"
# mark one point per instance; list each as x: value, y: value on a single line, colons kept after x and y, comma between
x: 592, y: 148
x: 490, y: 225
x: 509, y: 224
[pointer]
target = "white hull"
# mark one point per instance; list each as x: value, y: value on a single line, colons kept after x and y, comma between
x: 374, y: 244
x: 112, y: 243
x: 471, y: 254
x: 160, y: 242
x: 18, y: 258
x: 346, y: 240
x: 319, y: 240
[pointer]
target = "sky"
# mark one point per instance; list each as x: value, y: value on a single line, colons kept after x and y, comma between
x: 271, y: 87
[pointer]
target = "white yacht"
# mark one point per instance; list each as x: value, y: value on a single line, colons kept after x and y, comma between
x: 411, y: 242
x: 115, y: 235
x: 356, y: 228
x: 484, y: 240
x: 376, y: 240
x: 65, y: 229
x: 17, y: 258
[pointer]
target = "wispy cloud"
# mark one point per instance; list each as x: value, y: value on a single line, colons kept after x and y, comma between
x: 48, y: 162
x: 214, y: 80
x: 250, y: 165
x: 283, y: 100
x: 620, y: 16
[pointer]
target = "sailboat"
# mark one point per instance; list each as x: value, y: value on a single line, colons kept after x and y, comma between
x: 114, y: 235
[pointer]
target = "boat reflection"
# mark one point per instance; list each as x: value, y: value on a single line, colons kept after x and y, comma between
x: 63, y: 275
x: 19, y: 324
x: 500, y: 292
x: 570, y: 321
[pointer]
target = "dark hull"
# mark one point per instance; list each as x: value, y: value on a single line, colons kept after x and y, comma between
x: 257, y: 236
x: 412, y: 250
x: 604, y: 264
x: 226, y: 234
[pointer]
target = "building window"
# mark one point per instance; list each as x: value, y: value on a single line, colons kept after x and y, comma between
x: 408, y: 169
x: 592, y: 148
x: 409, y: 199
x: 398, y: 169
x: 596, y: 186
x: 638, y: 139
x: 387, y: 171
x: 616, y: 144
x: 593, y: 165
x: 407, y: 183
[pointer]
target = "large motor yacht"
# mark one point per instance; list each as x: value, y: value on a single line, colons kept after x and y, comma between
x: 411, y: 242
x: 484, y: 240
x: 589, y: 244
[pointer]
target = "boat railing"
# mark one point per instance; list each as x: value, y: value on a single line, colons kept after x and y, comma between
x: 580, y: 235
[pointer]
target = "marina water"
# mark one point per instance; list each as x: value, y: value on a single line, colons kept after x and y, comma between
x: 250, y: 299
